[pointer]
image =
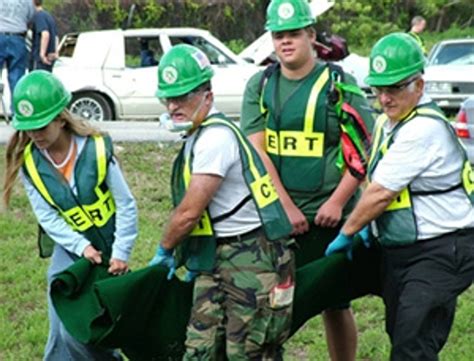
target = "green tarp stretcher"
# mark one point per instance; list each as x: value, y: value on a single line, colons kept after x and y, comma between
x: 145, y: 315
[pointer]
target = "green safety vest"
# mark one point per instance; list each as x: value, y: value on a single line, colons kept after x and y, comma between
x: 92, y: 211
x: 296, y: 130
x: 197, y: 251
x: 419, y: 40
x: 397, y: 224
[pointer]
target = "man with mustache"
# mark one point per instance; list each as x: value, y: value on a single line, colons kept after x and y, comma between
x: 228, y: 228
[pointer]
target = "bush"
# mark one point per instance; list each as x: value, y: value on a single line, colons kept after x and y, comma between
x: 236, y: 45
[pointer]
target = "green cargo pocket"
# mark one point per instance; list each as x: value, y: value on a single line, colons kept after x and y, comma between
x: 269, y: 329
x: 279, y: 323
x: 45, y: 243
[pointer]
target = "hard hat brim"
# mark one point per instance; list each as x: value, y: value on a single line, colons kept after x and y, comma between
x: 39, y: 121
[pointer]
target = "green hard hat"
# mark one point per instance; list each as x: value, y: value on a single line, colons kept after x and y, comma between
x: 38, y: 98
x: 182, y: 69
x: 393, y: 58
x: 288, y: 15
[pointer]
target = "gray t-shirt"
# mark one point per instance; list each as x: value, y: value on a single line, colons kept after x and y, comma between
x: 216, y: 152
x: 15, y: 15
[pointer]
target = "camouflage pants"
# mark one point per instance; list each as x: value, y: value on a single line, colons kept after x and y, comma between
x: 237, y: 310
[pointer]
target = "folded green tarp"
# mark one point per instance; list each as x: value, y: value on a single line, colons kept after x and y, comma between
x: 145, y: 315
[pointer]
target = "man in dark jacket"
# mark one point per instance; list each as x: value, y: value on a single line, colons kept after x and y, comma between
x: 44, y: 51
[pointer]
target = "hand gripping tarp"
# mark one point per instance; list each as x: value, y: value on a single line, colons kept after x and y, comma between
x: 145, y: 315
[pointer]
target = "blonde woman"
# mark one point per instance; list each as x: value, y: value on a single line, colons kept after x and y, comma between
x: 76, y: 189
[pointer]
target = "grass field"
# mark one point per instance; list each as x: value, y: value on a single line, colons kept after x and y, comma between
x: 23, y: 317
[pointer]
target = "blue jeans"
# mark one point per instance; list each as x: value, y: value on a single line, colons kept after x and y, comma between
x: 61, y: 346
x: 14, y: 54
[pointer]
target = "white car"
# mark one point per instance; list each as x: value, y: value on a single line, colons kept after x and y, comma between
x: 449, y: 76
x: 112, y: 74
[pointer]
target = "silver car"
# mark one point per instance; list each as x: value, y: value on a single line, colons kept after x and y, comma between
x: 449, y: 76
x: 464, y: 126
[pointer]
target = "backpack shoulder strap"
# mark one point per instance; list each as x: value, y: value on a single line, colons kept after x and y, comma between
x: 267, y: 73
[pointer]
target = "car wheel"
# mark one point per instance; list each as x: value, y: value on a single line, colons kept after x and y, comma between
x: 91, y: 106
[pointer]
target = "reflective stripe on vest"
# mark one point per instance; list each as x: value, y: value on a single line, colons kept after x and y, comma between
x: 197, y: 252
x: 306, y: 143
x: 80, y: 217
x: 298, y: 135
x: 397, y: 224
x: 204, y: 226
x: 403, y: 200
x: 263, y: 191
x: 274, y: 219
x: 467, y: 176
x: 262, y: 187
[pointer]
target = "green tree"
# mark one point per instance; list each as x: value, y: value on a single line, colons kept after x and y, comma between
x: 239, y: 22
x: 444, y: 13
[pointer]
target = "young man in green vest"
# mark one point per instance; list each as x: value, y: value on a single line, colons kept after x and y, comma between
x: 228, y: 228
x: 419, y: 203
x: 292, y: 119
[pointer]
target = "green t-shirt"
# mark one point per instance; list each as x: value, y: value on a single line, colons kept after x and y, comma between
x: 252, y: 121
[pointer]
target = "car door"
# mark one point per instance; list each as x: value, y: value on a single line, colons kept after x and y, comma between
x: 134, y: 82
x: 142, y: 55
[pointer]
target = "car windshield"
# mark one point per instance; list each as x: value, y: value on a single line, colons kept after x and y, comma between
x: 454, y: 54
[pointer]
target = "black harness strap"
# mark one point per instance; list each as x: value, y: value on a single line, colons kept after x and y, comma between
x: 439, y: 191
x: 233, y: 210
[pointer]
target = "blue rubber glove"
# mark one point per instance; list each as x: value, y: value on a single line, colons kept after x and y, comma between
x: 365, y: 236
x: 164, y: 257
x: 342, y: 243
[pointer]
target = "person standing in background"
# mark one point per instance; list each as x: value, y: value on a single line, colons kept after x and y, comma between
x: 418, y: 25
x: 44, y: 51
x: 15, y: 15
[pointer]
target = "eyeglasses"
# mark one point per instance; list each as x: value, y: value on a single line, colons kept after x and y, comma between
x: 180, y: 99
x: 395, y: 89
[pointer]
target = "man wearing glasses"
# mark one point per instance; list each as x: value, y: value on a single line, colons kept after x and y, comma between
x: 228, y: 228
x: 419, y: 204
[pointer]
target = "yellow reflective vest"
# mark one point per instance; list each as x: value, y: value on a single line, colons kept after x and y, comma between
x: 397, y: 225
x: 197, y: 252
x: 91, y: 211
